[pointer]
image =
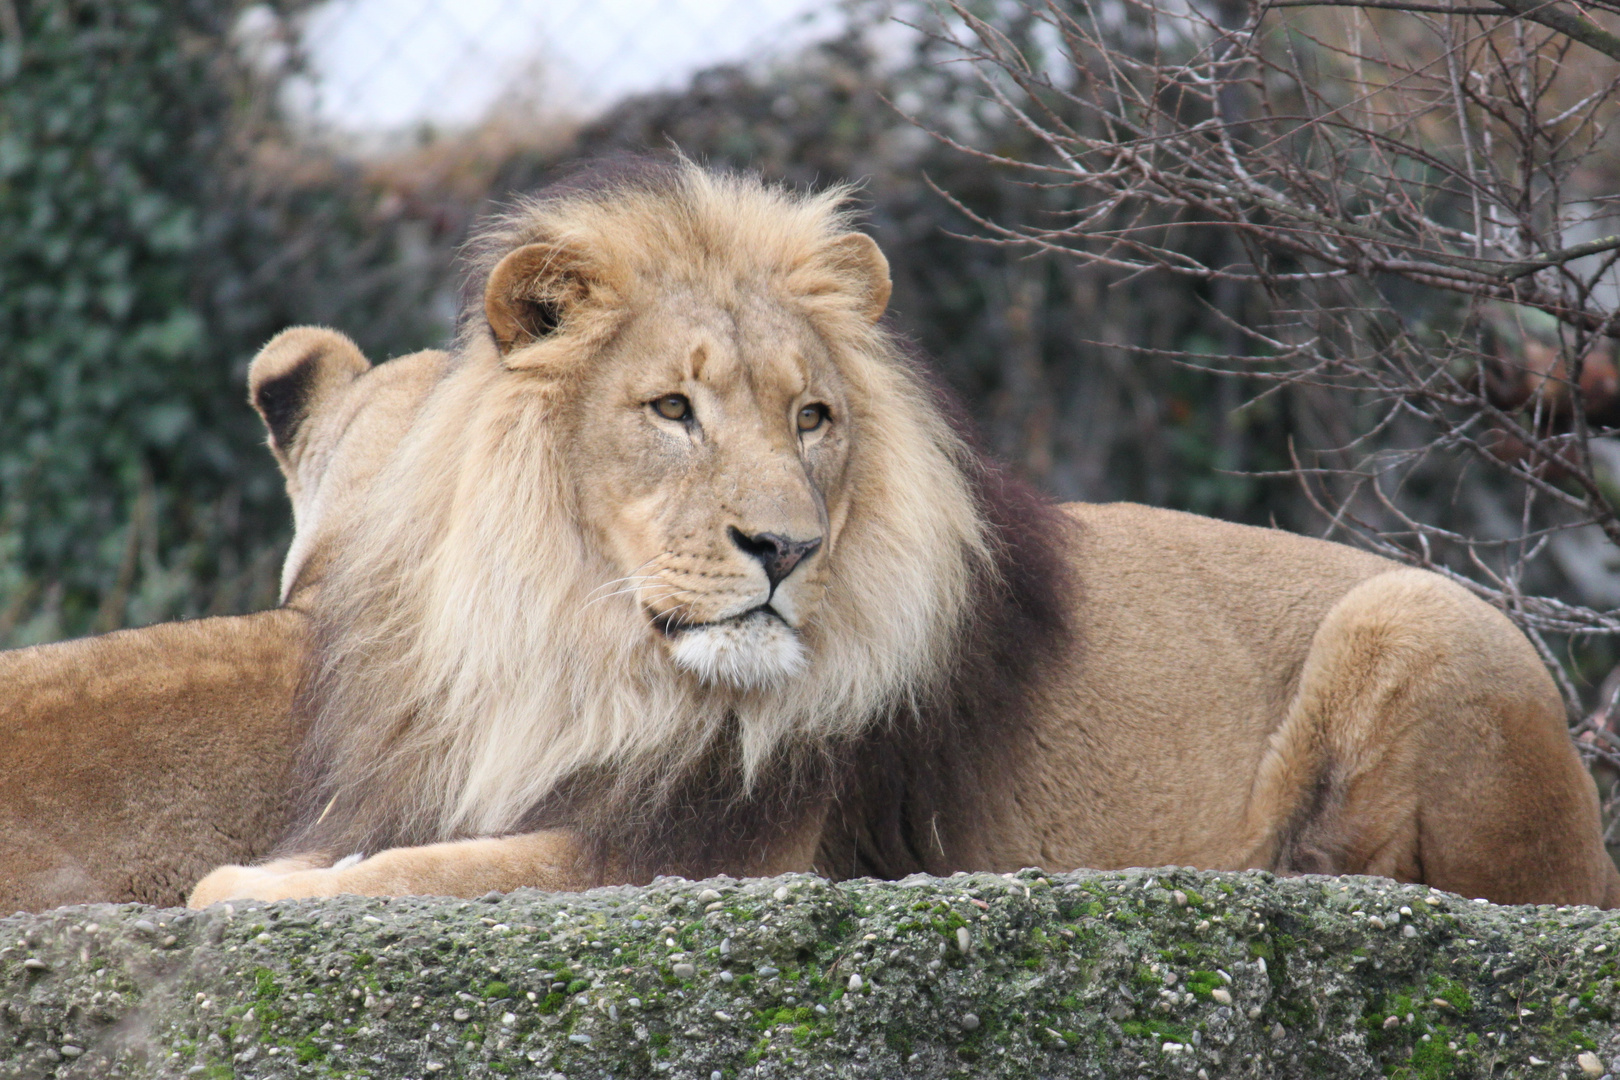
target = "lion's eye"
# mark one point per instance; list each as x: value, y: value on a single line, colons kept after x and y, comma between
x: 812, y: 417
x: 673, y: 407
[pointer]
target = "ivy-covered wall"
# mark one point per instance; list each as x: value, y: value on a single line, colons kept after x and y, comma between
x: 119, y: 436
x: 148, y: 245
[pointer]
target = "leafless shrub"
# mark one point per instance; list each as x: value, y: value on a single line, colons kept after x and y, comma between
x: 1420, y: 192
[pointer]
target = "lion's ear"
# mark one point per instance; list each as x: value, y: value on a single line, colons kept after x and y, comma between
x: 290, y: 376
x: 859, y: 266
x: 531, y: 292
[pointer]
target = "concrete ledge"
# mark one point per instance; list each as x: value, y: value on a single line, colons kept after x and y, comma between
x: 1164, y: 973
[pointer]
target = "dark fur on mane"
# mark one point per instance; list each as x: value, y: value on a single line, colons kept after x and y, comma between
x: 917, y: 790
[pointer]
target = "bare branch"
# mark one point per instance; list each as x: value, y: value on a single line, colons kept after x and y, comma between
x: 1407, y: 204
x: 1556, y: 18
x: 1386, y: 5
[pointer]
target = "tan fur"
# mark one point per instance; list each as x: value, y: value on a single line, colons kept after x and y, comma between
x: 137, y: 760
x: 350, y: 426
x: 1230, y: 675
x: 494, y: 626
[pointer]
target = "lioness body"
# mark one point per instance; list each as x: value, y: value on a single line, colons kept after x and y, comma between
x: 135, y: 761
x: 681, y: 568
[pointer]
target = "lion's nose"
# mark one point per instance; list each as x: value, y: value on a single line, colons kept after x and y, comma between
x: 777, y: 554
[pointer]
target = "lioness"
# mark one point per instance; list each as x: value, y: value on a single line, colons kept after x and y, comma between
x: 135, y: 761
x: 683, y: 568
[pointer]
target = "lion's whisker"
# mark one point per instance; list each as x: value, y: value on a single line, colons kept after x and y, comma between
x: 609, y: 596
x: 628, y: 578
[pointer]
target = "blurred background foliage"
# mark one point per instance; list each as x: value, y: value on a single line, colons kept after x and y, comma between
x: 151, y: 238
x: 161, y: 219
x: 161, y: 216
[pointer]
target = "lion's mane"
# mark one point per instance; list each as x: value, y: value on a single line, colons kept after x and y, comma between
x: 476, y: 673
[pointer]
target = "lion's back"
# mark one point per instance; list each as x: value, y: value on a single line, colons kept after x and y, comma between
x: 1253, y: 577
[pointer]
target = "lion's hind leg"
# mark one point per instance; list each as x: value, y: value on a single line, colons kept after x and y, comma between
x: 1426, y: 742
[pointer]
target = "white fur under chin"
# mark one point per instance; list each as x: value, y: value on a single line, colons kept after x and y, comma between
x: 750, y: 653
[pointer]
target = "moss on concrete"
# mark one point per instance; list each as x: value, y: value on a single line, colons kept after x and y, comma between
x: 1165, y: 973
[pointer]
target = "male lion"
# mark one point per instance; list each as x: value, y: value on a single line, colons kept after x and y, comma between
x: 682, y: 568
x: 137, y: 760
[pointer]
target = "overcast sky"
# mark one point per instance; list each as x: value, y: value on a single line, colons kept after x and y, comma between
x: 390, y: 64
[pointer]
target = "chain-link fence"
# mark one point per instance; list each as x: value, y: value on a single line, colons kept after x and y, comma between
x: 404, y: 68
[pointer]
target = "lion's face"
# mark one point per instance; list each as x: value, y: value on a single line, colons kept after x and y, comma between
x: 710, y: 446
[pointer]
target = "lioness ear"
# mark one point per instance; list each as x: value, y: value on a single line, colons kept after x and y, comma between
x: 290, y: 376
x: 530, y: 293
x: 859, y: 264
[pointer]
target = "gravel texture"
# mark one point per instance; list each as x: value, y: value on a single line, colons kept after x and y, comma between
x: 1150, y: 973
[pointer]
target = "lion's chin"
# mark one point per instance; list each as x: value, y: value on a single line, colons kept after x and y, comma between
x: 750, y: 652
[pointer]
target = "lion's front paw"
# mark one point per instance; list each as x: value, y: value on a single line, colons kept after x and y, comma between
x: 226, y: 883
x: 286, y: 879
